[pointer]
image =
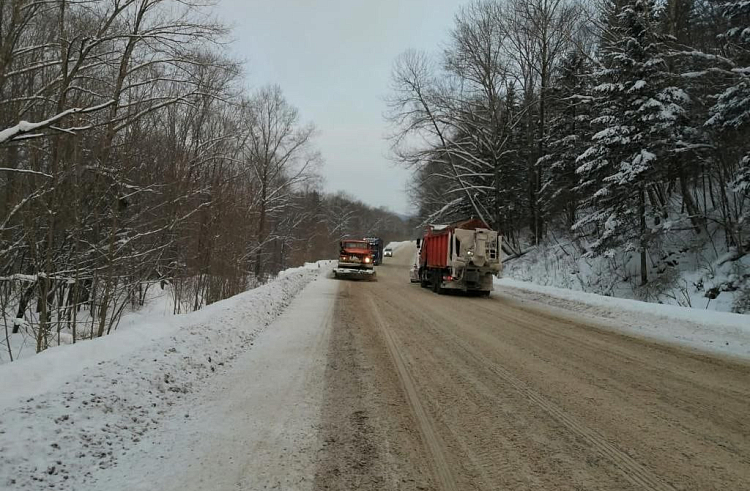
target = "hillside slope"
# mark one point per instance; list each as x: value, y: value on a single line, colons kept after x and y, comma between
x: 701, y: 274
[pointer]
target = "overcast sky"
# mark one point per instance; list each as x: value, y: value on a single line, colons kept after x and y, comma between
x: 332, y: 59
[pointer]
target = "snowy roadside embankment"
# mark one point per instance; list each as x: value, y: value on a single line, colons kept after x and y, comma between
x: 714, y: 332
x: 398, y: 245
x: 688, y: 273
x: 76, y: 408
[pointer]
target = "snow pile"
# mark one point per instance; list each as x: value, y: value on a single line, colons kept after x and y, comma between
x: 398, y: 245
x: 683, y: 272
x: 715, y: 332
x: 159, y: 306
x: 76, y: 408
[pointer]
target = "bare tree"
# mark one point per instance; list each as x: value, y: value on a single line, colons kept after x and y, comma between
x: 421, y: 108
x: 277, y: 154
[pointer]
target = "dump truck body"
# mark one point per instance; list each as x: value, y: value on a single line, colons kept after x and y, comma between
x: 462, y: 256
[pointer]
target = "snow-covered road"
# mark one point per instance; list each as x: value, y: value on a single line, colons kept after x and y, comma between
x: 444, y: 392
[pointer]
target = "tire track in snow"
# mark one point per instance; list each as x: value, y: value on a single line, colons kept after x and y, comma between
x: 486, y: 448
x: 441, y: 469
x: 633, y: 471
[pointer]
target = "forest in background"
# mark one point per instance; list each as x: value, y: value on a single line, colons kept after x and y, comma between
x: 132, y: 155
x: 618, y: 130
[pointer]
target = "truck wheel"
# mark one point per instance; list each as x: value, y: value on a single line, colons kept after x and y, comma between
x: 436, y: 285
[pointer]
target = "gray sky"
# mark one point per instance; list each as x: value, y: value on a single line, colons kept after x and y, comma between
x: 332, y: 59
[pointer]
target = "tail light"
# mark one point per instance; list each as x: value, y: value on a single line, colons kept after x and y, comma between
x: 448, y: 278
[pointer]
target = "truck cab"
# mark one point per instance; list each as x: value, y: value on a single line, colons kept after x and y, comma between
x: 355, y: 254
x: 355, y: 260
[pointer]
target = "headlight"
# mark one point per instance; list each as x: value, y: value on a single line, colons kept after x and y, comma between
x: 470, y: 253
x: 367, y: 259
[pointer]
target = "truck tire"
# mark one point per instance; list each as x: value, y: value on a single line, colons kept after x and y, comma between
x: 423, y: 282
x: 436, y: 284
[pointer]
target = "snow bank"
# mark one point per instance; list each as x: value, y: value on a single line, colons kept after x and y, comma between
x: 715, y: 332
x: 254, y: 427
x: 686, y: 272
x: 75, y: 408
x: 398, y: 245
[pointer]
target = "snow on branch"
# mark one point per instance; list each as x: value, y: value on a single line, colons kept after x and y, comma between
x: 25, y: 127
x: 25, y: 171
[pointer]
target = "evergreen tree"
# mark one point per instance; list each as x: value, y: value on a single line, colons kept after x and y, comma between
x: 568, y: 133
x: 511, y: 197
x: 731, y: 112
x: 638, y: 118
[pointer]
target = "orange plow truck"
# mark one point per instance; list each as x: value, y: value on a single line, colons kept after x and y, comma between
x: 355, y: 260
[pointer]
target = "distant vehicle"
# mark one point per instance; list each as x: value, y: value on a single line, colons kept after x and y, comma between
x: 461, y: 256
x: 376, y: 248
x: 355, y: 260
x: 388, y: 252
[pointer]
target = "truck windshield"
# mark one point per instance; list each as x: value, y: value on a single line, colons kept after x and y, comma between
x: 356, y: 245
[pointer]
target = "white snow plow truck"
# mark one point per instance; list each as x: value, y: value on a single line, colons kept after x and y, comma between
x: 461, y: 256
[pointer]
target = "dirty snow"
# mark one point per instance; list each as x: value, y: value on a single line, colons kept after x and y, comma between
x: 74, y: 410
x: 714, y: 332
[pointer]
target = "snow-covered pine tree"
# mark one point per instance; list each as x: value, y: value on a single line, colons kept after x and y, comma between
x: 510, y: 178
x: 567, y: 137
x: 638, y: 114
x: 731, y: 112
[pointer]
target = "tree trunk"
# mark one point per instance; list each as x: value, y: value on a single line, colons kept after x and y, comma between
x: 699, y: 223
x: 261, y: 232
x: 23, y: 304
x: 642, y: 215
